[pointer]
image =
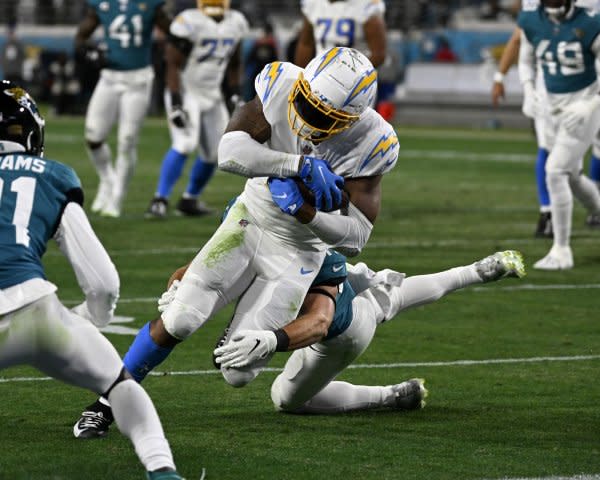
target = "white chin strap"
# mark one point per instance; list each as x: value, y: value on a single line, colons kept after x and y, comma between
x: 213, y: 11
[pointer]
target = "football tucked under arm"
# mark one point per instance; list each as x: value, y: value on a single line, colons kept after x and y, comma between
x: 309, y: 196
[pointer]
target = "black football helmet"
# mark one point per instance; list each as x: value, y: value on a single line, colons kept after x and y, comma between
x: 20, y: 120
x: 557, y: 8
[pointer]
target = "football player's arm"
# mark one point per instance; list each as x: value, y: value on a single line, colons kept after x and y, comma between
x: 85, y: 29
x: 526, y: 61
x: 94, y: 270
x: 509, y: 56
x: 249, y: 346
x: 305, y: 48
x: 162, y: 20
x: 375, y: 36
x: 350, y: 231
x: 241, y: 149
x: 233, y: 74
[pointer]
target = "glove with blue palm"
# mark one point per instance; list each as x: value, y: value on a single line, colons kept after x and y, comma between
x: 286, y: 194
x: 323, y: 182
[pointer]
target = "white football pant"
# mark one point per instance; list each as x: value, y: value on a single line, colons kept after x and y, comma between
x: 204, y: 129
x: 47, y: 336
x: 122, y: 97
x: 307, y: 384
x: 241, y: 261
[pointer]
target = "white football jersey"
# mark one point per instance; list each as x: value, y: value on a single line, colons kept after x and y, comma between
x: 340, y: 23
x: 213, y: 45
x: 368, y: 148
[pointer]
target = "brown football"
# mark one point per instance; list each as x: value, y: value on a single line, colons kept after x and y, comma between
x: 309, y: 196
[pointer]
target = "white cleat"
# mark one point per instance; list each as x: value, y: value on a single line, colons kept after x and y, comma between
x: 103, y: 196
x: 508, y: 263
x: 558, y: 258
x: 111, y: 210
x: 410, y: 395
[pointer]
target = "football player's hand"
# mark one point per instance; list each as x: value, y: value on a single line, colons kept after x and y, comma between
x: 576, y: 117
x: 498, y: 93
x: 167, y: 297
x: 245, y: 348
x: 286, y: 194
x: 323, y: 182
x: 531, y: 101
x: 178, y: 116
x: 93, y: 56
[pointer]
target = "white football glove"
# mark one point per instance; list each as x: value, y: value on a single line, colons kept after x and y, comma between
x: 245, y: 348
x: 179, y: 117
x: 167, y: 297
x: 576, y: 117
x: 83, y: 311
x: 531, y: 101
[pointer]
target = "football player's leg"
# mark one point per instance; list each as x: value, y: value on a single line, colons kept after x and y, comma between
x: 306, y: 384
x: 544, y: 226
x: 134, y: 105
x: 100, y: 117
x: 273, y: 299
x: 595, y: 160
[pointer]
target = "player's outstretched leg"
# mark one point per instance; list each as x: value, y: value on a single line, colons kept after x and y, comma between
x: 410, y: 395
x: 508, y: 263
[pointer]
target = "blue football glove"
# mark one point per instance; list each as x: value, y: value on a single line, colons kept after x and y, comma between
x: 286, y: 194
x: 326, y: 185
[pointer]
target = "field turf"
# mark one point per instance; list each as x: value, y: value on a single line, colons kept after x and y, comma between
x: 513, y: 368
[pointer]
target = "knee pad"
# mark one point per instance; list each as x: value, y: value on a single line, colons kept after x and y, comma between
x: 239, y: 377
x: 181, y: 321
x: 278, y: 395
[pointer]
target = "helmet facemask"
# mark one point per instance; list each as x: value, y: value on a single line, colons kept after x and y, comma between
x: 312, y: 119
x: 214, y: 8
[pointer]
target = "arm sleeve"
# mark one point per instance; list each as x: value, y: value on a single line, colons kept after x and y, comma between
x: 95, y: 272
x: 348, y: 234
x: 526, y: 61
x: 239, y: 153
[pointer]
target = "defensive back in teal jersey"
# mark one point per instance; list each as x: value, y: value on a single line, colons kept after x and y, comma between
x: 33, y: 194
x: 333, y: 272
x: 563, y: 49
x: 127, y: 26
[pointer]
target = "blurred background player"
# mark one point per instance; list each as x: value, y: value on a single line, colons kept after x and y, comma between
x: 337, y: 322
x: 203, y: 47
x: 123, y: 92
x: 342, y: 23
x: 41, y: 199
x: 565, y: 39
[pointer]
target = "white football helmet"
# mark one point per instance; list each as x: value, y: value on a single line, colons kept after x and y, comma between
x: 331, y: 94
x: 213, y: 8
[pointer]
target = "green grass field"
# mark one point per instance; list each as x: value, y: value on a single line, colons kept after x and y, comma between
x: 524, y: 405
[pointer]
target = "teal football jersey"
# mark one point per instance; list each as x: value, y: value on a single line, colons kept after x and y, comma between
x: 33, y: 194
x: 333, y: 272
x: 127, y: 26
x: 563, y: 49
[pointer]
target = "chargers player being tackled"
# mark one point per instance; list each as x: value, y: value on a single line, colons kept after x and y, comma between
x: 41, y: 199
x: 203, y: 48
x: 565, y: 40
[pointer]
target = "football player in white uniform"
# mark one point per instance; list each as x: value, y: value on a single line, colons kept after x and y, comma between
x: 123, y: 92
x: 348, y: 23
x: 312, y: 124
x: 203, y: 48
x: 565, y: 40
x: 41, y: 199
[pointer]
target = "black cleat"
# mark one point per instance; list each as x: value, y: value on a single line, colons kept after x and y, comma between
x: 94, y: 421
x: 544, y: 226
x: 158, y: 208
x: 593, y: 220
x: 190, y: 207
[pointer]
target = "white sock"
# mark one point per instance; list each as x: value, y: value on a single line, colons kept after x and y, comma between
x: 345, y: 397
x: 586, y: 191
x: 101, y: 158
x: 137, y: 419
x: 423, y: 289
x: 561, y: 201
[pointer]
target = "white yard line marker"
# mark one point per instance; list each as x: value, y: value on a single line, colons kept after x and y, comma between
x: 454, y: 363
x: 581, y: 476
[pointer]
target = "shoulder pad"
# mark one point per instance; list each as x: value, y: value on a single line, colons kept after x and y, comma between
x: 529, y: 5
x: 333, y: 270
x: 270, y: 79
x: 381, y: 153
x: 374, y: 7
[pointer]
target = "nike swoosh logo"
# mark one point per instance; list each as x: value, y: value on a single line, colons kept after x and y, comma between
x: 322, y: 175
x: 337, y: 268
x: 305, y: 272
x: 280, y: 196
x: 255, y: 346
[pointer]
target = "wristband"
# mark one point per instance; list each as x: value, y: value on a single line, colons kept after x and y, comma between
x: 283, y: 340
x: 498, y: 77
